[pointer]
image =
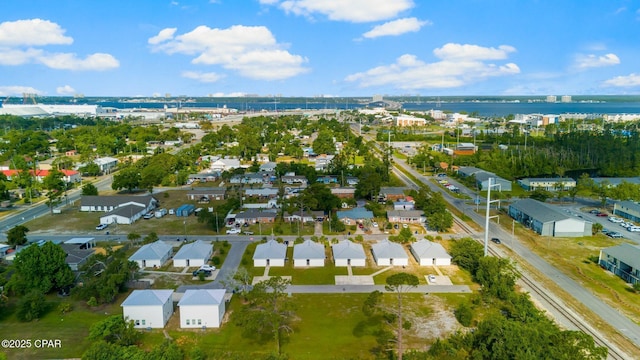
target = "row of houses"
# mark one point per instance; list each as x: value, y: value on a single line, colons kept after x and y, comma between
x: 159, y: 252
x: 199, y: 308
x: 348, y: 253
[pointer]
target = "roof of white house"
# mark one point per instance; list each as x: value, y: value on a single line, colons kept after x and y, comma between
x: 153, y: 251
x: 388, y: 250
x: 195, y: 250
x: 147, y: 297
x: 427, y: 249
x: 347, y: 249
x: 202, y: 297
x: 270, y: 250
x: 308, y: 250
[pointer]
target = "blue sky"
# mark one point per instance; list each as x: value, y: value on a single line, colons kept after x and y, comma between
x: 319, y: 47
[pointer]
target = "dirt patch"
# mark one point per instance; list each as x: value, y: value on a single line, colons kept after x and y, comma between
x: 439, y: 324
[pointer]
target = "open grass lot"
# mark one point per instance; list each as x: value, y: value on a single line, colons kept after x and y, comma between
x: 327, y: 326
x: 71, y: 328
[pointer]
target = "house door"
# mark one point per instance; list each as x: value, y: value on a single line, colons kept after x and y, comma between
x: 187, y: 262
x: 268, y: 261
x: 308, y: 262
x: 348, y: 262
x: 434, y: 261
x: 390, y: 261
x: 144, y: 263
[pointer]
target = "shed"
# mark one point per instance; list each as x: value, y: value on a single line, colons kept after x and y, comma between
x: 271, y: 253
x: 185, y: 210
x: 348, y: 253
x: 148, y: 308
x: 196, y: 253
x: 430, y: 253
x: 308, y: 253
x: 202, y: 308
x: 387, y: 253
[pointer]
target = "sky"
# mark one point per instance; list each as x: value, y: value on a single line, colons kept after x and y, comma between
x: 319, y: 48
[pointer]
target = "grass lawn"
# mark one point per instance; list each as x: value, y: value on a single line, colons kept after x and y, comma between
x: 71, y: 328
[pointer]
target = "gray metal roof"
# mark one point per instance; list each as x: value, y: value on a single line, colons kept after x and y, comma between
x: 127, y: 211
x: 202, y: 297
x: 426, y: 249
x: 154, y: 251
x: 626, y: 204
x: 389, y: 250
x: 147, y: 298
x: 115, y: 200
x: 405, y: 213
x: 627, y: 253
x: 195, y: 250
x: 308, y: 250
x: 347, y: 249
x: 539, y: 210
x: 392, y: 190
x: 270, y: 250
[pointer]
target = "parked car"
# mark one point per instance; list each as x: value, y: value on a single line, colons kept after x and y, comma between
x: 248, y: 232
x: 595, y: 212
x: 206, y: 273
x: 615, y: 235
x: 207, y: 268
x: 432, y: 279
x: 405, y: 225
x: 102, y: 226
x: 374, y: 224
x: 496, y: 240
x: 614, y: 219
x: 602, y: 214
x: 233, y: 231
x: 147, y: 216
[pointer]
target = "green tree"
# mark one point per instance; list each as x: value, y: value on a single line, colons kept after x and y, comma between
x: 55, y: 186
x: 127, y: 178
x: 89, y: 190
x: 464, y: 314
x: 400, y: 283
x: 167, y: 350
x: 114, y: 330
x: 91, y: 169
x: 466, y: 253
x: 269, y: 311
x: 102, y: 350
x: 497, y: 276
x: 41, y: 268
x: 596, y: 228
x: 323, y: 144
x: 31, y: 306
x: 133, y: 238
x: 17, y: 235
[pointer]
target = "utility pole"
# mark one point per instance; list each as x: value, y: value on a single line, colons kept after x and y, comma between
x: 487, y: 217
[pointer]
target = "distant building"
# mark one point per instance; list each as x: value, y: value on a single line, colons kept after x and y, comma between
x: 551, y: 98
x: 565, y: 98
x: 549, y: 184
x: 622, y: 260
x: 547, y: 220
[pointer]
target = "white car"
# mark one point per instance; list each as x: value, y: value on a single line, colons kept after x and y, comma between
x: 102, y: 226
x: 233, y: 231
x: 207, y: 268
x: 374, y: 224
x: 614, y: 219
x: 432, y: 279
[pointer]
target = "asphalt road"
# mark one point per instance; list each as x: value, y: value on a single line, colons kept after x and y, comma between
x: 608, y: 314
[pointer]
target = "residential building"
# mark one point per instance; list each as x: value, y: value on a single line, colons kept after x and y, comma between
x: 207, y: 194
x: 202, y: 308
x: 154, y: 254
x: 428, y: 253
x: 627, y: 209
x: 387, y: 253
x: 622, y: 260
x: 309, y: 253
x: 348, y: 253
x: 148, y: 308
x: 546, y: 220
x: 196, y: 253
x: 406, y: 216
x: 548, y: 184
x: 271, y: 253
x: 354, y: 215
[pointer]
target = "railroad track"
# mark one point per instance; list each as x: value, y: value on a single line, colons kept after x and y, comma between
x: 613, y: 352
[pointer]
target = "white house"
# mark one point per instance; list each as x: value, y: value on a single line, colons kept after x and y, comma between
x: 193, y: 254
x: 202, y: 308
x: 148, y: 308
x: 271, y: 253
x: 348, y: 253
x: 387, y: 253
x: 152, y: 255
x: 308, y: 253
x: 430, y: 253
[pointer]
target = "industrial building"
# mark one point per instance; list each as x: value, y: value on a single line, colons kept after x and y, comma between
x: 547, y: 221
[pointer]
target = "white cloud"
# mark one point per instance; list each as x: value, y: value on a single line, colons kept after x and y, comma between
x: 9, y: 56
x: 583, y: 62
x: 32, y: 32
x: 396, y: 27
x: 452, y: 51
x: 454, y: 70
x: 344, y: 10
x: 163, y: 35
x: 18, y: 90
x: 202, y: 77
x: 624, y: 81
x: 65, y: 90
x: 233, y: 94
x: 250, y: 50
x: 67, y: 61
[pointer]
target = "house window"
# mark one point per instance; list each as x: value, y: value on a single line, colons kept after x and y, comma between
x: 137, y: 322
x: 188, y: 322
x: 144, y: 322
x: 199, y: 321
x: 193, y: 321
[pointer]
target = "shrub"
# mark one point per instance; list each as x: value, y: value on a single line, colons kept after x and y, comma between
x: 31, y: 306
x: 464, y: 314
x: 216, y: 260
x: 92, y: 301
x: 64, y: 308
